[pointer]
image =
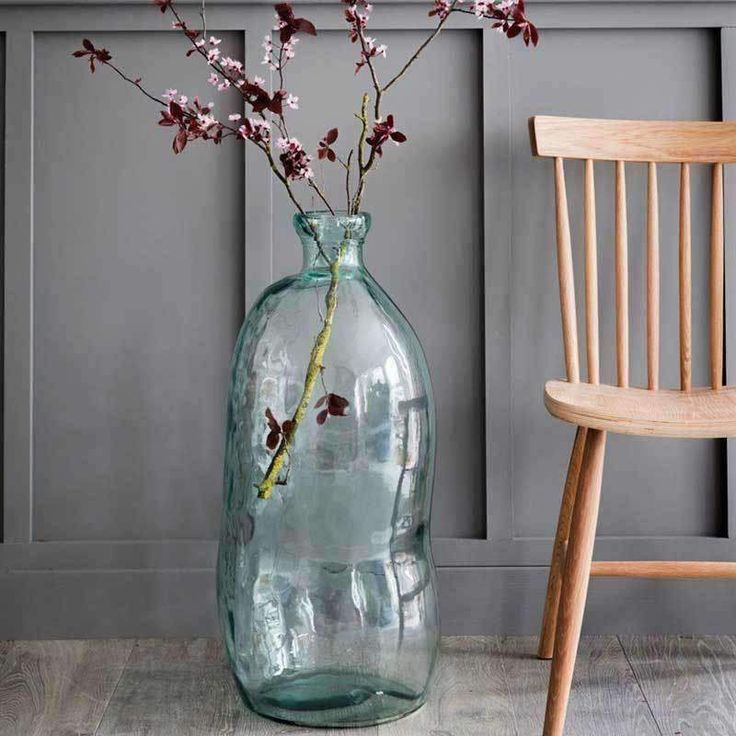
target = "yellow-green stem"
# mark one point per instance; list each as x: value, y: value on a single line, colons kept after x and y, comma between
x: 265, y: 488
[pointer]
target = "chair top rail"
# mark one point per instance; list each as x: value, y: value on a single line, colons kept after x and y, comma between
x: 657, y: 141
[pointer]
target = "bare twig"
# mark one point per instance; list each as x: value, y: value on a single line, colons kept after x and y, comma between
x: 421, y: 48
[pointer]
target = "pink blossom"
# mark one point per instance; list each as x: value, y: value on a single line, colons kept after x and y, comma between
x: 233, y: 64
x: 213, y: 79
x: 215, y: 41
x: 170, y: 94
x: 369, y: 51
x: 223, y: 85
x: 213, y: 55
x: 294, y: 159
x: 234, y: 116
x: 292, y: 101
x: 258, y: 131
x: 206, y: 120
x: 441, y: 9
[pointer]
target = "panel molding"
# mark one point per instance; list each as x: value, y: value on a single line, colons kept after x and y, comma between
x: 18, y: 308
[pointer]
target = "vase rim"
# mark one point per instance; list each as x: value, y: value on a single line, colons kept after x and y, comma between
x: 331, y: 227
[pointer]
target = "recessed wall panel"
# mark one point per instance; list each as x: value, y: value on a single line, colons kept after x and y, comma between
x: 138, y: 273
x: 651, y: 487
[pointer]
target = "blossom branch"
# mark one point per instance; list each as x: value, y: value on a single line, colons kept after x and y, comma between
x: 314, y: 371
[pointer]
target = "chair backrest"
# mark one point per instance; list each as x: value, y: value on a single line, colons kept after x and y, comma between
x: 651, y: 142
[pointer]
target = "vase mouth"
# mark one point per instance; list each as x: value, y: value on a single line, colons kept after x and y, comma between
x: 327, y: 227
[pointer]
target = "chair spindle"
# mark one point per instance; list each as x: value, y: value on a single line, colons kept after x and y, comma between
x: 622, y: 280
x: 652, y: 278
x: 686, y: 382
x: 716, y: 278
x: 565, y: 276
x: 591, y: 275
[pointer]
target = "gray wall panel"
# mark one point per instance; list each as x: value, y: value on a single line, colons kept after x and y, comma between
x: 124, y: 286
x: 138, y: 272
x: 425, y: 246
x: 652, y: 487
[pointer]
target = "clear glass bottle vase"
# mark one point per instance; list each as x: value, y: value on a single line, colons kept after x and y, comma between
x: 326, y: 586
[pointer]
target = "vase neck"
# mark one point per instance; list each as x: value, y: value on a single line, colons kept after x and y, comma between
x: 326, y: 237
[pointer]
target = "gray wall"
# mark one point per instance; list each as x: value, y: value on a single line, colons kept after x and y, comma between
x: 127, y: 272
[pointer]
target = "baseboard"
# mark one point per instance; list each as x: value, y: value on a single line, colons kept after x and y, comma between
x: 42, y: 604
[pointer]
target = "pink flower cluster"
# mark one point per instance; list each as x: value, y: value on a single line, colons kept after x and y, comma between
x: 192, y: 122
x: 294, y: 159
x: 358, y: 22
x: 254, y: 129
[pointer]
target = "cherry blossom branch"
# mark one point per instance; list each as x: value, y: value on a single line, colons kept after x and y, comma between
x: 314, y: 371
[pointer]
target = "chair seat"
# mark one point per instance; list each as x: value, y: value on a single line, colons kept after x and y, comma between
x: 664, y: 413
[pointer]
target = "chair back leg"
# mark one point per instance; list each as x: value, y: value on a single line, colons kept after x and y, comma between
x: 575, y: 581
x: 554, y: 582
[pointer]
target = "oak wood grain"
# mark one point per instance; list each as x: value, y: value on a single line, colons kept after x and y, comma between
x: 58, y: 688
x: 566, y: 277
x: 716, y: 278
x: 638, y: 411
x: 653, y: 291
x: 663, y: 569
x: 633, y: 140
x: 559, y: 548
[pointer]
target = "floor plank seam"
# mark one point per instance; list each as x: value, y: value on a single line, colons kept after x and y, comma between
x: 499, y: 644
x: 639, y: 685
x: 115, y: 689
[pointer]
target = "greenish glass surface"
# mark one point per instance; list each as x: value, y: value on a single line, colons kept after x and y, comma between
x: 326, y: 590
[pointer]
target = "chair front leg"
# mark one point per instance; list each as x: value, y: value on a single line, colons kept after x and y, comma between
x: 575, y: 581
x: 554, y: 582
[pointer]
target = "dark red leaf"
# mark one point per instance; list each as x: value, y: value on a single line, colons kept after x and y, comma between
x: 273, y: 425
x: 398, y: 137
x: 513, y: 31
x: 287, y: 428
x: 272, y: 440
x: 320, y: 401
x: 322, y: 416
x: 80, y: 54
x: 331, y: 136
x: 88, y: 44
x: 336, y: 405
x: 180, y: 141
x: 304, y: 26
x: 331, y: 156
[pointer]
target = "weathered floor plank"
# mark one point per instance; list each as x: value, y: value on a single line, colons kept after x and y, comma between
x: 484, y: 685
x: 605, y: 699
x: 689, y: 682
x: 469, y: 696
x: 184, y: 688
x: 58, y: 688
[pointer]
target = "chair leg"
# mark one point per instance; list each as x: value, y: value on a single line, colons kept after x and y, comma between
x: 554, y: 582
x: 575, y: 582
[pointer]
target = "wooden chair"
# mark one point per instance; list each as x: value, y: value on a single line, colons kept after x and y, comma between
x: 597, y: 409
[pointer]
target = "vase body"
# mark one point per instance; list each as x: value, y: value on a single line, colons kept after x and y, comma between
x: 326, y: 589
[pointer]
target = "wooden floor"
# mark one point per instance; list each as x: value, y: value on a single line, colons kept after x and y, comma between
x: 486, y: 686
